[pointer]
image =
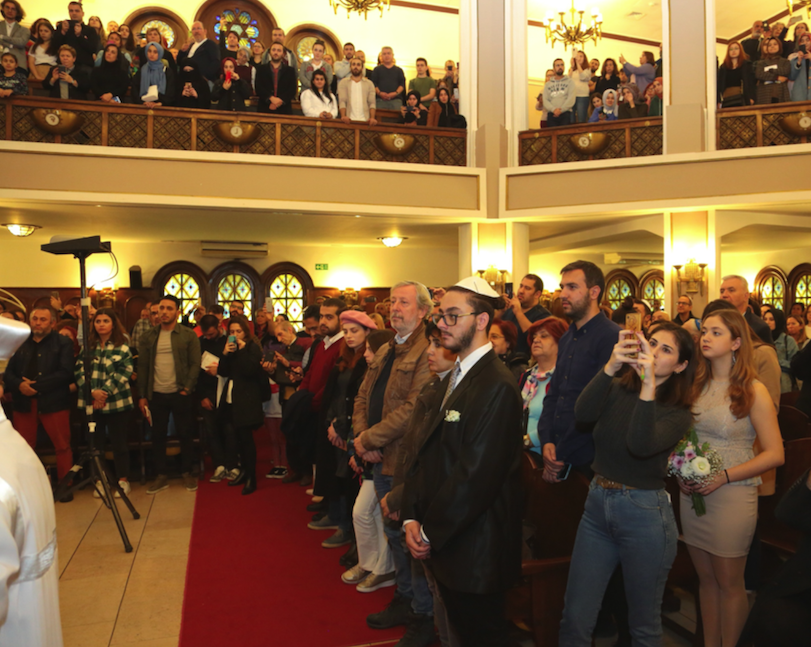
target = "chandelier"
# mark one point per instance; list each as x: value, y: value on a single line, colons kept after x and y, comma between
x: 576, y: 33
x: 798, y: 4
x: 361, y: 6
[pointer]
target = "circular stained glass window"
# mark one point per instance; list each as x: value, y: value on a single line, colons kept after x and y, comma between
x: 304, y: 51
x: 166, y: 31
x: 240, y: 22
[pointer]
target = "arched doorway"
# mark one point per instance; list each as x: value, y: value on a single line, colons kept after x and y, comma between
x: 173, y: 27
x: 251, y: 19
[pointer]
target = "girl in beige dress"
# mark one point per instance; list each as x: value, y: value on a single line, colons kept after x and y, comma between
x: 732, y: 410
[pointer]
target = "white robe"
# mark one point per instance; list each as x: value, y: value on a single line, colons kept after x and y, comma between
x: 29, y: 574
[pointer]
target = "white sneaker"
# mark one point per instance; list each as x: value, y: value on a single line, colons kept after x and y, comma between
x: 124, y: 484
x: 219, y: 474
x: 355, y: 575
x: 98, y: 490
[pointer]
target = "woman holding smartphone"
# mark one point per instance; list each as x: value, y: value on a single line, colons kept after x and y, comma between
x: 640, y: 404
x: 240, y: 403
x: 230, y: 91
x: 732, y: 409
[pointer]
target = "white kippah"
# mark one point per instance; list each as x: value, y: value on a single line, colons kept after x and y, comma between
x: 479, y: 286
x: 12, y: 334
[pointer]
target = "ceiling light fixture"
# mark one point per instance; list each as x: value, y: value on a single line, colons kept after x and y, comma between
x: 576, y: 34
x: 392, y: 241
x: 361, y: 6
x: 798, y: 4
x: 21, y: 230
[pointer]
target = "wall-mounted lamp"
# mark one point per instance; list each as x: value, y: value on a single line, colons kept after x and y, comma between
x: 693, y: 275
x: 349, y: 296
x: 496, y: 278
x: 392, y: 241
x: 21, y: 230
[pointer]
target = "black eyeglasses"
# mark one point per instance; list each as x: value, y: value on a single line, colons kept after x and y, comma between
x: 450, y: 319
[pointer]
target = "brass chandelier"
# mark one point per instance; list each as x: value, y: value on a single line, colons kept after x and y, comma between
x: 361, y: 6
x: 798, y: 4
x: 575, y: 33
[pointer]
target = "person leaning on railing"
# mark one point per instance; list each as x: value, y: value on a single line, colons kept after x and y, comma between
x: 356, y: 96
x: 772, y: 72
x: 632, y: 107
x: 800, y: 62
x: 443, y: 113
x: 230, y: 91
x: 111, y: 76
x: 68, y: 80
x: 609, y: 111
x: 318, y: 101
x: 154, y: 75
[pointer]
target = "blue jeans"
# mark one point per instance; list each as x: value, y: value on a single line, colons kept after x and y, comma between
x: 338, y: 513
x: 581, y: 109
x: 409, y: 573
x: 634, y: 528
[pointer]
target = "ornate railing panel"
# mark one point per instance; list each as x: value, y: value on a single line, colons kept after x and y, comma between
x: 131, y: 126
x: 775, y: 124
x: 606, y: 140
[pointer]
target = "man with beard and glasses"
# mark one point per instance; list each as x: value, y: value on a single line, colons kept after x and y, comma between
x: 582, y: 351
x: 462, y: 503
x: 383, y: 408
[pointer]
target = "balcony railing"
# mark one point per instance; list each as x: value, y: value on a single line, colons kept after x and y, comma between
x: 769, y: 125
x: 596, y: 141
x: 26, y: 119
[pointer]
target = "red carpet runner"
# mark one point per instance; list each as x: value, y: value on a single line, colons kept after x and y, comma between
x: 258, y: 577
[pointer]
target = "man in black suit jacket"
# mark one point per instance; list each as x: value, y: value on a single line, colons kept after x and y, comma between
x: 205, y: 52
x: 735, y: 289
x: 276, y: 84
x: 83, y: 38
x: 462, y: 502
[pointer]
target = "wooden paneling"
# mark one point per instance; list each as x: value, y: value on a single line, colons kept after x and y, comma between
x: 755, y: 126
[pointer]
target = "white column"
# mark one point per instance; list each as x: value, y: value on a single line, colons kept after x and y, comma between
x: 518, y: 249
x: 468, y: 72
x: 515, y: 73
x: 468, y: 249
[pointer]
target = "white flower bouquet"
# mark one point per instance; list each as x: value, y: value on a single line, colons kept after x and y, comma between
x: 695, y: 463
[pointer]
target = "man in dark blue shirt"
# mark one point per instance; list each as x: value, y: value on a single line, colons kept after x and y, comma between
x: 582, y: 351
x: 524, y: 309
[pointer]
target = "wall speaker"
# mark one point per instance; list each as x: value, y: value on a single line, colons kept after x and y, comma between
x: 136, y: 281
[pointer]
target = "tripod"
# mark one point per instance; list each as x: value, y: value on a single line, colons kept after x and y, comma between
x: 91, y: 459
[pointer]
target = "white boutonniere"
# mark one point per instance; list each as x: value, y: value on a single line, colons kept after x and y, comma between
x: 452, y: 416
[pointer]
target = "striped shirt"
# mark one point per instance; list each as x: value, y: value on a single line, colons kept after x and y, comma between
x: 111, y: 372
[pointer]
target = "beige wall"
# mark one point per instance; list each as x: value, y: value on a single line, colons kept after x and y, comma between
x: 25, y: 265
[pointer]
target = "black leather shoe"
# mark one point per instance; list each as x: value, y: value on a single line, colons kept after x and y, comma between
x: 419, y: 632
x: 350, y: 557
x: 67, y: 498
x: 239, y: 480
x: 396, y: 613
x: 317, y: 507
x: 318, y: 516
x: 306, y: 481
x: 250, y: 486
x: 291, y: 477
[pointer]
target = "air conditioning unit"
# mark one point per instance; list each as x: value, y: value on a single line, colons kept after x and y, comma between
x: 619, y: 258
x: 233, y: 250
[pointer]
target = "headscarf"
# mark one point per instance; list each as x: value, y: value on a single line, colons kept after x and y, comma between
x: 634, y: 88
x: 446, y: 110
x: 108, y: 73
x: 153, y: 72
x: 416, y: 94
x: 613, y: 110
x: 661, y: 85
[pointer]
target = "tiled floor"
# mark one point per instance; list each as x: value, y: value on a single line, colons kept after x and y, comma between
x: 110, y: 598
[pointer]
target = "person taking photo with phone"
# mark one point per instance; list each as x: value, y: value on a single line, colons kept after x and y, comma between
x: 640, y: 407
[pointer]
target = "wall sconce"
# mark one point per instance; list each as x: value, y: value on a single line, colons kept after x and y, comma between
x: 693, y: 275
x: 496, y: 278
x: 349, y: 296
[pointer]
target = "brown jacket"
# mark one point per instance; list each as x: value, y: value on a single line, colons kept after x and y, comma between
x: 409, y: 373
x: 434, y: 111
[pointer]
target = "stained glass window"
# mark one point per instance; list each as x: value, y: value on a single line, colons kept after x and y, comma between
x: 184, y: 287
x: 235, y: 286
x: 654, y: 292
x: 166, y: 31
x: 803, y: 291
x: 304, y: 51
x: 287, y: 297
x: 617, y: 290
x: 242, y: 23
x: 772, y: 292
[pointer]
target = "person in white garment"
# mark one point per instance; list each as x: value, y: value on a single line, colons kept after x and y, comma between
x: 29, y: 573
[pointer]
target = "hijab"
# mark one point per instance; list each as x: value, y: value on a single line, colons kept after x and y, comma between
x: 153, y: 72
x: 107, y: 72
x: 446, y: 110
x: 613, y: 110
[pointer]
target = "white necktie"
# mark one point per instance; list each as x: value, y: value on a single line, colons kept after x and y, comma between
x: 457, y: 371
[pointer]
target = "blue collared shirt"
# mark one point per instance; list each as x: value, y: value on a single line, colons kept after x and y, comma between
x: 581, y: 353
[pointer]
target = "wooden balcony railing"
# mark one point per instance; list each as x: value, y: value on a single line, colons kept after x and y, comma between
x: 597, y: 141
x: 769, y: 125
x: 133, y: 126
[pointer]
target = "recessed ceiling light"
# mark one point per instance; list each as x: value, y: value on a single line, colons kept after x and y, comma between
x: 21, y: 230
x: 392, y: 241
x: 357, y: 216
x: 636, y: 15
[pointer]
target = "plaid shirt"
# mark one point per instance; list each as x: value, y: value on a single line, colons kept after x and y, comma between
x: 140, y: 327
x: 112, y: 369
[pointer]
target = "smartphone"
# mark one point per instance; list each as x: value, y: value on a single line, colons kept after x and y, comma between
x: 232, y: 339
x: 116, y: 100
x: 55, y: 294
x: 564, y: 472
x: 508, y: 288
x: 227, y: 75
x: 633, y: 324
x: 449, y: 68
x: 62, y: 69
x: 804, y: 48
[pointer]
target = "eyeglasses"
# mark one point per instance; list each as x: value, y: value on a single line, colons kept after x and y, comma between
x: 450, y: 319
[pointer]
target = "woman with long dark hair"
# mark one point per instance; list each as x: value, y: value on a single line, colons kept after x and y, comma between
x: 609, y: 78
x: 784, y: 344
x: 318, y: 101
x: 129, y: 39
x: 772, y: 72
x: 732, y: 409
x: 111, y: 395
x: 580, y: 74
x: 246, y: 388
x: 42, y: 56
x: 640, y: 406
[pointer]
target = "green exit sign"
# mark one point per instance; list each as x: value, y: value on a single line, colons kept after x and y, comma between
x: 321, y: 266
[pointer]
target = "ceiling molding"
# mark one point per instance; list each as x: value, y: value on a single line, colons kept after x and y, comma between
x: 424, y: 7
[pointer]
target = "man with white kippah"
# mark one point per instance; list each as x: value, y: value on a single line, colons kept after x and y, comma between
x: 462, y: 502
x: 29, y: 574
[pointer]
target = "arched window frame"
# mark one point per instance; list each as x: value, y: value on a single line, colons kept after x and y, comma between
x: 794, y: 279
x: 274, y: 271
x: 625, y: 275
x: 137, y: 19
x: 770, y: 275
x: 169, y: 270
x: 264, y: 18
x: 242, y: 269
x: 300, y: 32
x: 647, y: 277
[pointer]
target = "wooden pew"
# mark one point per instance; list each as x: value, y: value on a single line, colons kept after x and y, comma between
x: 793, y: 423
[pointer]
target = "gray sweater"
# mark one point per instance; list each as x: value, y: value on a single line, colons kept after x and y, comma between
x: 558, y: 93
x: 632, y: 438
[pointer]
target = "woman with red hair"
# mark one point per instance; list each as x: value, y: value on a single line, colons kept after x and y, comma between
x: 504, y: 337
x: 736, y: 80
x: 543, y: 337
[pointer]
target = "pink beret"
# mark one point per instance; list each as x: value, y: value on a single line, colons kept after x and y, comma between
x: 360, y: 318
